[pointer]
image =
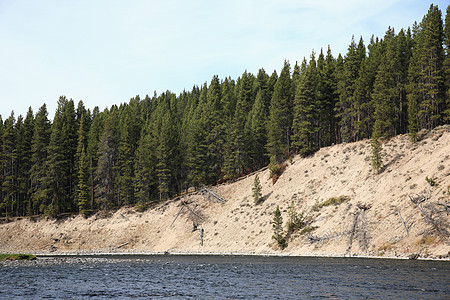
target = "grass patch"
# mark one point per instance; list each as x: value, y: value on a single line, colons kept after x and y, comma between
x: 4, y: 257
x: 331, y: 201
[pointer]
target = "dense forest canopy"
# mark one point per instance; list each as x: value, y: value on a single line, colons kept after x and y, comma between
x: 154, y: 148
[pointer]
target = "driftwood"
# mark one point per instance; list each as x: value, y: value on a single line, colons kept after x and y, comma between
x: 192, y: 211
x: 417, y: 199
x: 179, y: 212
x: 210, y: 193
x: 403, y: 222
x: 432, y: 216
x: 120, y: 246
x: 445, y: 207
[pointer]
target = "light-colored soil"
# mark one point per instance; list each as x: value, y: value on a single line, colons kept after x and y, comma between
x: 369, y: 224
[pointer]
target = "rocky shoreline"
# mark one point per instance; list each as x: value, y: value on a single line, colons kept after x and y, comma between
x: 45, y: 259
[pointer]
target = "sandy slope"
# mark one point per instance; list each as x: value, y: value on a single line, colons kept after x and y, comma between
x: 240, y: 226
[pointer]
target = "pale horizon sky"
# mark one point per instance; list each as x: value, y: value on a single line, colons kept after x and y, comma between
x: 106, y: 52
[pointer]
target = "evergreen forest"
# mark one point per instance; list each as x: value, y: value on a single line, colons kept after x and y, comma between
x: 155, y: 148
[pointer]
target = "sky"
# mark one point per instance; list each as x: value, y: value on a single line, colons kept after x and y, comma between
x: 105, y: 52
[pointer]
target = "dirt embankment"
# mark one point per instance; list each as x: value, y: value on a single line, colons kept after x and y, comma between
x: 396, y: 213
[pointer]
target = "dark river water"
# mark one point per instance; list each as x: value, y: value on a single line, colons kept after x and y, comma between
x: 224, y: 277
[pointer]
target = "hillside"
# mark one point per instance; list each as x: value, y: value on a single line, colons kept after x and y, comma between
x: 380, y: 217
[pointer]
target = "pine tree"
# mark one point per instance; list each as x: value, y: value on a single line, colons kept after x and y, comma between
x: 385, y: 94
x: 107, y: 156
x: 145, y: 163
x: 22, y: 165
x: 93, y: 140
x: 60, y: 178
x: 306, y: 111
x: 164, y: 154
x: 255, y: 129
x: 426, y: 77
x: 214, y: 127
x: 280, y: 118
x: 295, y: 221
x: 256, y: 190
x: 82, y: 186
x: 277, y: 227
x: 197, y: 149
x: 8, y: 167
x: 40, y: 141
x: 262, y: 81
x: 238, y: 160
x: 26, y: 137
x: 446, y: 66
x: 125, y: 160
x: 347, y: 112
x: 326, y: 98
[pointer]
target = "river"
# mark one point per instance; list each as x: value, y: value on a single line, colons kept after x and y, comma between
x: 223, y: 277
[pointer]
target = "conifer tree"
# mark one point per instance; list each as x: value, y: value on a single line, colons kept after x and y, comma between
x: 213, y: 121
x: 125, y: 159
x: 306, y: 111
x: 346, y: 87
x: 280, y: 118
x: 277, y: 227
x: 197, y: 149
x: 256, y: 133
x: 25, y: 136
x: 145, y: 163
x: 446, y: 66
x: 93, y: 139
x: 8, y: 167
x: 82, y: 186
x: 40, y: 141
x: 294, y: 221
x: 426, y: 77
x: 164, y: 153
x: 238, y: 160
x: 107, y: 156
x: 256, y: 190
x: 60, y: 178
x: 385, y: 94
x: 262, y: 81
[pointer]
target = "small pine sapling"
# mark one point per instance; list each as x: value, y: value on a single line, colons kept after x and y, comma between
x: 277, y: 226
x: 256, y: 190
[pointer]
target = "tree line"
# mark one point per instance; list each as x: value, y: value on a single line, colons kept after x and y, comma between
x: 154, y: 148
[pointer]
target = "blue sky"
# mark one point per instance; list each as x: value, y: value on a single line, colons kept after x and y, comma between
x: 105, y: 51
